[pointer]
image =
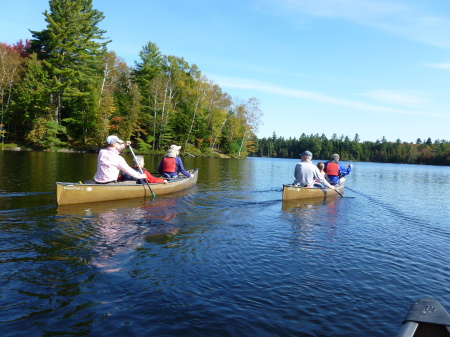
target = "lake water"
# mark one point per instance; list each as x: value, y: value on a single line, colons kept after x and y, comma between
x: 225, y: 258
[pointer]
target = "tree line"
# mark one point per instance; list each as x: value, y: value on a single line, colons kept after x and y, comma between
x: 65, y: 89
x: 421, y: 152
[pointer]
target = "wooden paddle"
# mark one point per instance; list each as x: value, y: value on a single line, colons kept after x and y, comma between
x: 142, y: 172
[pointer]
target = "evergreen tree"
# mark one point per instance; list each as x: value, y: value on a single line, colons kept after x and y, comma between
x: 30, y: 101
x: 146, y: 75
x: 71, y: 47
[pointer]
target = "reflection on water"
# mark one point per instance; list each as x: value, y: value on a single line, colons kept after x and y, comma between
x: 110, y: 230
x: 309, y: 215
x: 292, y: 205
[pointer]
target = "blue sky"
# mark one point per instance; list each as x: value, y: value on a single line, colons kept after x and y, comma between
x: 376, y: 68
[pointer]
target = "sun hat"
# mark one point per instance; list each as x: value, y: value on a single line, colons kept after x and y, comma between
x: 173, y: 151
x: 113, y: 139
x: 306, y: 153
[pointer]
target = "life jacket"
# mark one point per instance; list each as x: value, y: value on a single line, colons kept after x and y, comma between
x: 169, y: 164
x: 332, y: 169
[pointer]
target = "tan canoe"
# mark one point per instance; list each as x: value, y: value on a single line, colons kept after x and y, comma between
x: 76, y: 193
x: 291, y: 192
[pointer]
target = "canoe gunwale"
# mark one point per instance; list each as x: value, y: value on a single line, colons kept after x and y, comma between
x: 426, y: 317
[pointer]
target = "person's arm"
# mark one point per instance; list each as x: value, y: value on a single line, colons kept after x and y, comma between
x: 124, y: 145
x: 181, y: 167
x: 127, y: 169
x: 321, y: 179
x: 343, y: 170
x: 297, y: 168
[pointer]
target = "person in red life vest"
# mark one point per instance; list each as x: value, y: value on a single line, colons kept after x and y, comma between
x: 171, y: 164
x: 110, y: 162
x: 306, y: 173
x: 139, y: 163
x: 335, y: 171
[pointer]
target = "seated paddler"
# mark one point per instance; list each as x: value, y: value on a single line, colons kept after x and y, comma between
x: 307, y: 174
x: 110, y: 162
x: 139, y: 163
x: 171, y: 165
x: 335, y: 171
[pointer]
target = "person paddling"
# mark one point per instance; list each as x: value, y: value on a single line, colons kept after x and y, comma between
x: 110, y: 162
x: 306, y: 173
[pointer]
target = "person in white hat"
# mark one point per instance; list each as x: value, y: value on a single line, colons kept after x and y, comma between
x: 171, y: 164
x: 110, y: 162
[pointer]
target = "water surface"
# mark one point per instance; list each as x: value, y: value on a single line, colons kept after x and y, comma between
x: 225, y: 258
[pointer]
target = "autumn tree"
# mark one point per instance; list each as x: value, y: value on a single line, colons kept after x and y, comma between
x: 10, y: 64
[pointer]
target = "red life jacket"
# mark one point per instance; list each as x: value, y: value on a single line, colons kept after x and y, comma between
x: 169, y: 165
x: 332, y: 169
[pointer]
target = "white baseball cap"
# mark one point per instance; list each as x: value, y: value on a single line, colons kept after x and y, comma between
x: 113, y: 140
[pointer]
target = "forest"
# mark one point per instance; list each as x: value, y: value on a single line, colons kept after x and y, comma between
x: 421, y: 152
x: 63, y: 89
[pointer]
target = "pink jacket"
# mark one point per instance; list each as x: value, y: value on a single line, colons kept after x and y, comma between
x: 109, y: 164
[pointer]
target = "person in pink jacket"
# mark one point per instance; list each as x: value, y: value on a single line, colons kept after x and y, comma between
x: 110, y: 162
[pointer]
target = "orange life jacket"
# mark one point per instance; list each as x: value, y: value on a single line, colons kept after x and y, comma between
x: 332, y: 169
x: 169, y: 165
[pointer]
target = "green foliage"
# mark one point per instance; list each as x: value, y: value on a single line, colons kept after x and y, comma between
x: 437, y: 153
x: 45, y: 134
x: 88, y: 92
x: 8, y: 146
x: 143, y: 146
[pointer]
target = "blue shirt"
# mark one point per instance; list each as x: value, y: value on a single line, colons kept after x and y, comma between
x: 343, y: 171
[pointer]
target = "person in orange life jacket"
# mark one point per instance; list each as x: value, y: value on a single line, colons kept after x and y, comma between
x: 335, y: 171
x: 139, y: 163
x: 306, y: 173
x: 110, y: 162
x: 171, y: 164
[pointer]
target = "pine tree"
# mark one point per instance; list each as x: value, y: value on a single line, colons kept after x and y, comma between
x: 71, y: 48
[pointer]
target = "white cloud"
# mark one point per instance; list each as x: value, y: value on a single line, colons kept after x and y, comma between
x: 445, y: 66
x: 384, y: 96
x: 410, y: 99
